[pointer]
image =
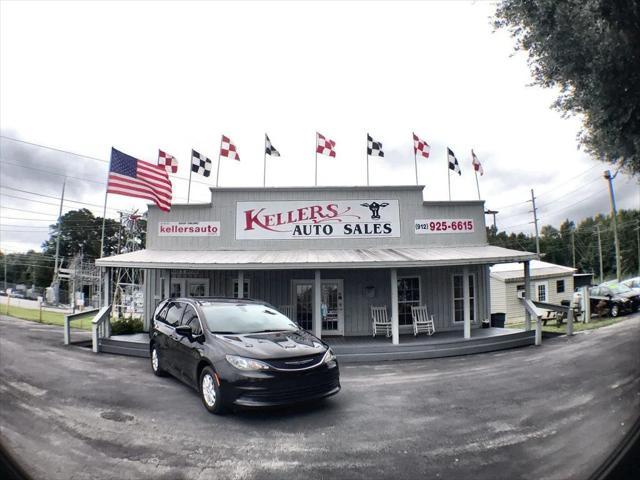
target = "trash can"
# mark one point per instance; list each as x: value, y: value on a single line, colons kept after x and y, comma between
x: 497, y: 319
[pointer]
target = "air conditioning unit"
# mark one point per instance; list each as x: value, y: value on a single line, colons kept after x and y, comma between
x: 520, y: 293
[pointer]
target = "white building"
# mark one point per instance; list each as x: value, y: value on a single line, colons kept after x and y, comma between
x: 550, y: 283
x: 348, y: 248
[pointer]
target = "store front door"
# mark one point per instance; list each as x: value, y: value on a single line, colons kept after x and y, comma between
x: 332, y: 309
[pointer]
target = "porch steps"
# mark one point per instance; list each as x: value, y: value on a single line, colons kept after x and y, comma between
x: 124, y: 347
x: 369, y: 352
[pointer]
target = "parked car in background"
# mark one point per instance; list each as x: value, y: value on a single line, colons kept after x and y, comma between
x: 240, y: 352
x: 615, y: 299
x: 633, y: 284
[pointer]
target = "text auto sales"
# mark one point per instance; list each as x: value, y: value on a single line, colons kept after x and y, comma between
x: 316, y: 221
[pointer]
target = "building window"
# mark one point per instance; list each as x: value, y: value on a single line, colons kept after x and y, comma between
x: 458, y: 297
x: 408, y: 296
x: 560, y: 286
x: 246, y: 293
x: 541, y: 289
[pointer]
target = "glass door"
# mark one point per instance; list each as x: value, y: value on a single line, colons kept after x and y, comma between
x: 303, y: 303
x: 332, y: 307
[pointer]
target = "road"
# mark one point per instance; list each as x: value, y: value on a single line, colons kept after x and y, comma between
x: 549, y: 412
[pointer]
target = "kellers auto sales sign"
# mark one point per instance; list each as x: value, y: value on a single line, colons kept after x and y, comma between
x: 286, y: 220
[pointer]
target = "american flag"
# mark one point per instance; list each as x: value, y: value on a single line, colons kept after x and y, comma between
x: 324, y: 145
x: 476, y: 163
x: 134, y: 178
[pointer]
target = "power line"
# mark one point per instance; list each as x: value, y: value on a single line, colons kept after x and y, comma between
x: 186, y: 179
x: 51, y: 172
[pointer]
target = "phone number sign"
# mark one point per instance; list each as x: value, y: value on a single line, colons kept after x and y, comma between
x: 444, y: 225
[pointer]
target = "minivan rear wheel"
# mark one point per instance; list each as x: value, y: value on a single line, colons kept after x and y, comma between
x: 156, y: 364
x: 210, y: 391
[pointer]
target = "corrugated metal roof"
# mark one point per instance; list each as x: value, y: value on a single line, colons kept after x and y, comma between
x: 308, y: 258
x: 515, y: 271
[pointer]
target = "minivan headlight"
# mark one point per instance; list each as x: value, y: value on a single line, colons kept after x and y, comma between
x: 242, y: 363
x: 329, y: 356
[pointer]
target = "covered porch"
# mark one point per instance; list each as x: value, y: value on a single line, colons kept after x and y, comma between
x: 331, y: 292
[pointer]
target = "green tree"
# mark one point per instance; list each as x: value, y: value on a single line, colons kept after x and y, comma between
x: 590, y: 50
x: 80, y: 232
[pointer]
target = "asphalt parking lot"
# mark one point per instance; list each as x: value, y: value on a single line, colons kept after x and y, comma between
x: 554, y: 412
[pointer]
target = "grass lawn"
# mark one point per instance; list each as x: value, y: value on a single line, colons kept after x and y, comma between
x: 595, y: 322
x: 49, y: 318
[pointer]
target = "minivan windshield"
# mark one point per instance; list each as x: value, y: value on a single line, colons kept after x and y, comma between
x: 245, y: 318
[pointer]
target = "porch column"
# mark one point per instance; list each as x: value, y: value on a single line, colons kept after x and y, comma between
x: 317, y: 300
x: 395, y: 330
x: 467, y: 303
x: 240, y: 284
x: 527, y: 294
x: 106, y: 284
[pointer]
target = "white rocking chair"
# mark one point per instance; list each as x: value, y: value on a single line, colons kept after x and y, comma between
x: 422, y: 322
x: 287, y: 311
x: 381, y: 322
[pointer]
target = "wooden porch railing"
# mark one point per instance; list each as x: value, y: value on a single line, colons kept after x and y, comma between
x: 70, y: 318
x: 101, y: 327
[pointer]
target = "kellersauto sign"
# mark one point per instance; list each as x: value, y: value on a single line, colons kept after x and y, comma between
x: 317, y: 219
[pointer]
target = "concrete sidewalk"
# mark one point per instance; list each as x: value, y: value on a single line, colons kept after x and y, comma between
x: 550, y: 412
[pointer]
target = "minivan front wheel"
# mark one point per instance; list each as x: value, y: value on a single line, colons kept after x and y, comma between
x: 614, y: 311
x: 210, y: 391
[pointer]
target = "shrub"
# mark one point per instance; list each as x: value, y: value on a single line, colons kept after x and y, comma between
x: 126, y: 325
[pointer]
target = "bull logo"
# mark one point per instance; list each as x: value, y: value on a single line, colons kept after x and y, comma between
x: 375, y: 208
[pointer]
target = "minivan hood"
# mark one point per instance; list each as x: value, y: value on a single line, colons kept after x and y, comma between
x: 273, y: 344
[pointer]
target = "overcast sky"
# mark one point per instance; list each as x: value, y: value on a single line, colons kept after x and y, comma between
x: 141, y: 76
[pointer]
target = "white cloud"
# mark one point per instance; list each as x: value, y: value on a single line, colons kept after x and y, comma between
x: 148, y: 75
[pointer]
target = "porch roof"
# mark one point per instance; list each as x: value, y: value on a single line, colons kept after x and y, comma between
x: 313, y: 259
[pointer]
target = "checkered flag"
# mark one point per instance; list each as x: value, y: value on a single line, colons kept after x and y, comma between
x: 374, y: 149
x: 420, y: 147
x: 200, y: 164
x: 228, y: 149
x: 269, y: 149
x: 169, y: 162
x: 453, y: 162
x: 477, y: 166
x: 324, y: 145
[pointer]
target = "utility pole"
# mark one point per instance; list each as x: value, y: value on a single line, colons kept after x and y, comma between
x: 600, y: 253
x: 535, y: 222
x: 55, y: 269
x: 638, y: 239
x: 614, y: 217
x: 488, y: 211
x: 573, y: 247
x: 5, y: 272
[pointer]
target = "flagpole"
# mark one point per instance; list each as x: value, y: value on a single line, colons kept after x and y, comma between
x: 190, y: 172
x: 477, y: 184
x: 448, y: 175
x: 264, y: 175
x: 415, y: 161
x: 366, y: 151
x: 316, y: 150
x: 218, y: 169
x: 104, y: 211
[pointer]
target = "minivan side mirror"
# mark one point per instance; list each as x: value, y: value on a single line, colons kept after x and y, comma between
x: 184, y: 330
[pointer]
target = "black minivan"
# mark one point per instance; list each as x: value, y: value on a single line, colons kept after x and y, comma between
x: 240, y: 352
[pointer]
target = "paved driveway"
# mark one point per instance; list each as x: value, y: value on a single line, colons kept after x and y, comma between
x: 554, y: 411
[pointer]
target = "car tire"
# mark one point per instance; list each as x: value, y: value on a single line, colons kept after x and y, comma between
x: 210, y: 391
x: 614, y: 311
x: 156, y: 362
